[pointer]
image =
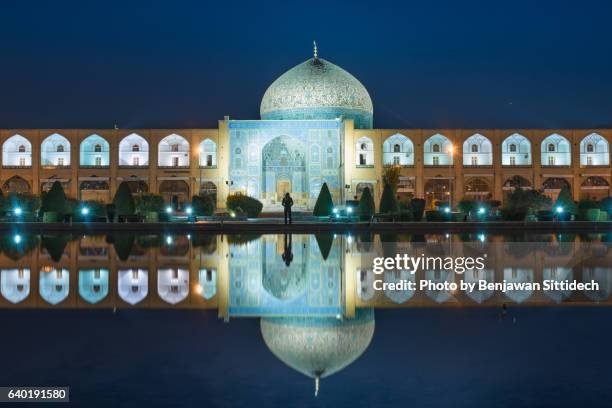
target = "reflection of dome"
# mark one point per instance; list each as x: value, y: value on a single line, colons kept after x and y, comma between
x: 318, y: 347
x: 317, y: 89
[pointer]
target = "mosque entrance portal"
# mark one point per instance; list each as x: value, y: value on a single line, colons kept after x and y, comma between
x: 284, y: 171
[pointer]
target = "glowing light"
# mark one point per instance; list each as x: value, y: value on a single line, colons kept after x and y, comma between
x: 168, y: 240
x: 232, y: 214
x: 349, y: 210
x: 188, y: 236
x: 17, y: 238
x: 481, y: 210
x: 335, y: 211
x: 169, y: 210
x: 447, y: 210
x: 337, y: 215
x: 451, y: 149
x: 18, y: 211
x: 189, y: 210
x: 198, y: 289
x: 481, y: 237
x: 84, y: 210
x: 447, y: 236
x: 349, y: 239
x: 559, y: 210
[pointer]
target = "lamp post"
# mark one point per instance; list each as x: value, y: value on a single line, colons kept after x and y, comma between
x: 451, y: 149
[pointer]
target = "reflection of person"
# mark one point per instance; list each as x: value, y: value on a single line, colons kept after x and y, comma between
x: 287, y: 254
x: 287, y: 203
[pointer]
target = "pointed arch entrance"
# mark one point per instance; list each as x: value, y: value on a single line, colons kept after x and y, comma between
x: 284, y: 171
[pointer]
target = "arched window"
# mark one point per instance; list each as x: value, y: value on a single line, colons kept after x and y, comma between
x: 365, y: 152
x: 173, y: 151
x: 477, y: 151
x: 398, y: 151
x: 438, y: 151
x: 133, y: 151
x: 16, y: 151
x: 55, y: 151
x: 516, y: 151
x: 94, y: 151
x: 594, y: 151
x: 556, y: 151
x: 208, y: 153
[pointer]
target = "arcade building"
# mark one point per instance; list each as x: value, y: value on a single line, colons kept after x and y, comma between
x: 316, y: 127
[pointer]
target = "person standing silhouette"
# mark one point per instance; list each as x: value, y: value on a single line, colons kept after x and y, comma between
x: 287, y: 203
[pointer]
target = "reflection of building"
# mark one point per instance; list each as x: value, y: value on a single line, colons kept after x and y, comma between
x: 316, y: 126
x: 318, y: 347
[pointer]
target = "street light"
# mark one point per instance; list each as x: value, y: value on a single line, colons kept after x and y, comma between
x: 18, y: 211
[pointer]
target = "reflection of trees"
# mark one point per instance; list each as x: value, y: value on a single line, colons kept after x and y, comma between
x: 240, y: 239
x: 123, y: 245
x: 325, y: 242
x: 207, y: 242
x: 16, y: 251
x: 55, y: 245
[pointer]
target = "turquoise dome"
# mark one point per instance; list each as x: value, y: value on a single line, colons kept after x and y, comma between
x: 318, y: 347
x: 318, y: 89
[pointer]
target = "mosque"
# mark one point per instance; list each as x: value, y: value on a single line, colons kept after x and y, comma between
x: 316, y: 127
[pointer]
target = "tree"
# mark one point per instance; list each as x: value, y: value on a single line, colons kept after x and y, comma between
x: 149, y: 202
x: 391, y: 176
x: 324, y: 205
x: 123, y: 200
x: 418, y: 207
x: 521, y: 202
x: 565, y: 201
x: 388, y: 202
x: 203, y: 205
x: 366, y: 205
x: 54, y: 200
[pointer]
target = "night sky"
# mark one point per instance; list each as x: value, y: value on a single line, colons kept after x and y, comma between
x: 189, y: 63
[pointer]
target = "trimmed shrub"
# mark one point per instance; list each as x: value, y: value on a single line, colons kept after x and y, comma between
x: 366, y: 208
x: 149, y: 203
x: 123, y: 200
x: 325, y: 242
x: 520, y: 203
x: 592, y: 214
x: 513, y: 214
x: 603, y: 216
x: 468, y: 206
x: 565, y: 201
x: 54, y: 200
x: 324, y: 205
x: 606, y: 205
x: 435, y: 216
x: 388, y: 202
x: 111, y: 211
x: 418, y: 207
x: 203, y: 205
x: 240, y: 203
x: 26, y: 201
x: 545, y: 215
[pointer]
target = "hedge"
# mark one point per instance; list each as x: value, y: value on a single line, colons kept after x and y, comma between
x: 240, y: 203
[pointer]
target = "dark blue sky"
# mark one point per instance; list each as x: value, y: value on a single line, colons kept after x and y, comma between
x: 187, y: 64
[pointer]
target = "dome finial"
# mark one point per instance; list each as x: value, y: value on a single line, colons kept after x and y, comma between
x: 315, y: 50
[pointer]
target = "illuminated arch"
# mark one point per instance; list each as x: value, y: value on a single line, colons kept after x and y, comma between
x: 17, y: 151
x: 133, y: 151
x: 94, y: 151
x: 55, y: 151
